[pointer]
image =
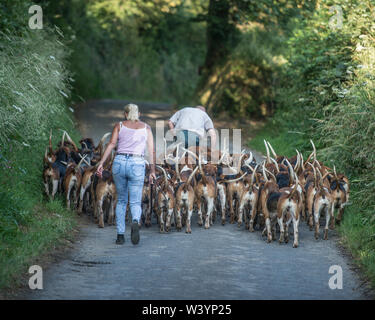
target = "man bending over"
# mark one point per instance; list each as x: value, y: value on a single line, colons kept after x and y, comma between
x: 190, y: 124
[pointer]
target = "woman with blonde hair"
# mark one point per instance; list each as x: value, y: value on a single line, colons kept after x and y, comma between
x: 128, y: 168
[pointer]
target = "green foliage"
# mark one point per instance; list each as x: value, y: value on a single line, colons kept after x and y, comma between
x: 34, y: 90
x: 14, y: 16
x: 34, y: 87
x: 273, y: 13
x: 358, y: 234
x: 246, y: 83
x: 243, y: 86
x: 48, y: 226
x: 33, y: 83
x: 142, y: 50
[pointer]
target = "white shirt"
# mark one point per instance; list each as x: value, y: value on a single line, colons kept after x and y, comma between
x: 192, y: 119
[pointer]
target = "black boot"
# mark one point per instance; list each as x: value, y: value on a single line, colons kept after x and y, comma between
x: 135, y: 232
x: 120, y: 239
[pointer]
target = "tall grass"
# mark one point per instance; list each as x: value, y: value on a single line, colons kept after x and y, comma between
x: 34, y: 92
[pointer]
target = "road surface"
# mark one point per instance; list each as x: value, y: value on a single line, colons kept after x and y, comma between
x: 224, y: 262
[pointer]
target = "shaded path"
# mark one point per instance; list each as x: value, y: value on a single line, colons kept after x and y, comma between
x: 224, y: 262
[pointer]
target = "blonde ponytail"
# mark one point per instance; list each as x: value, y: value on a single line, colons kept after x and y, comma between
x: 132, y: 112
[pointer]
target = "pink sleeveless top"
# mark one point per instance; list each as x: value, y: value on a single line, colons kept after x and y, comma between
x: 132, y: 140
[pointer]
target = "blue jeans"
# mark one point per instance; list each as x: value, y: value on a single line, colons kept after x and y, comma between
x: 128, y: 174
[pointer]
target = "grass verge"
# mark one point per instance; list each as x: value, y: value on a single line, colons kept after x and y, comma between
x: 48, y: 227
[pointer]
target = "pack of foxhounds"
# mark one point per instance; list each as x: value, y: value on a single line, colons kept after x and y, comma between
x: 264, y: 196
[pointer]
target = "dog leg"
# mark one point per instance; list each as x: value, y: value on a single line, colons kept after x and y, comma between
x: 311, y: 221
x: 281, y: 225
x: 148, y: 218
x: 161, y: 220
x: 316, y: 220
x: 210, y: 206
x: 268, y: 227
x: 179, y: 217
x: 222, y: 204
x: 332, y: 220
x: 95, y: 211
x: 111, y: 216
x: 295, y: 230
x: 214, y: 214
x: 240, y: 213
x: 55, y: 185
x: 273, y: 227
x: 68, y: 197
x: 199, y: 206
x: 231, y: 210
x: 287, y: 228
x: 168, y: 219
x: 101, y: 213
x: 46, y: 186
x: 76, y: 195
x: 183, y: 215
x: 253, y: 212
x: 81, y: 198
x: 328, y: 216
x: 188, y: 220
x: 340, y: 214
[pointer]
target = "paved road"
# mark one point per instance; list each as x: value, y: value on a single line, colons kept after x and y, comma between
x: 224, y: 262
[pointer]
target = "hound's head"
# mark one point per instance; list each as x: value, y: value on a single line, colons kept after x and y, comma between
x: 106, y: 175
x: 87, y: 143
x: 49, y: 157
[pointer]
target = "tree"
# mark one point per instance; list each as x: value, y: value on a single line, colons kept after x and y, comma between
x: 221, y: 32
